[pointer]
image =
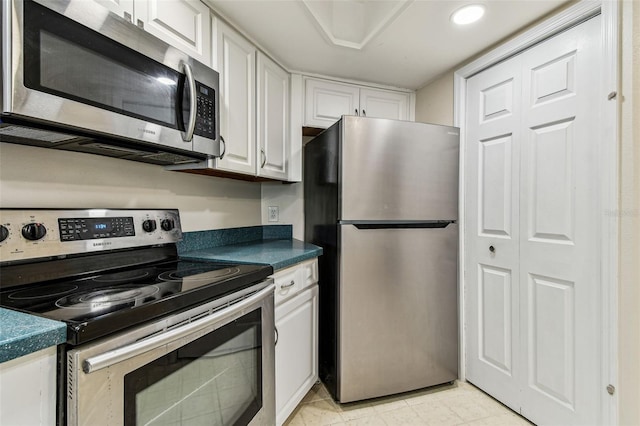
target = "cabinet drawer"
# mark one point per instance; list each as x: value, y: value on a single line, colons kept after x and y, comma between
x: 292, y: 280
x: 288, y: 282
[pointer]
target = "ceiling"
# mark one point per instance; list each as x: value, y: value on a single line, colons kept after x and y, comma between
x: 402, y: 43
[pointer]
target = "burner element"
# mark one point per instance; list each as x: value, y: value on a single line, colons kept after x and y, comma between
x: 40, y: 292
x: 192, y: 278
x: 108, y: 297
x: 121, y: 277
x: 202, y: 273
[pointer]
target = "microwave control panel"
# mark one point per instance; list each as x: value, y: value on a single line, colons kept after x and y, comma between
x: 205, y: 114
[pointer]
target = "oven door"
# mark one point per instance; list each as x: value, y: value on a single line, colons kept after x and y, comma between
x: 214, y: 367
x: 74, y: 65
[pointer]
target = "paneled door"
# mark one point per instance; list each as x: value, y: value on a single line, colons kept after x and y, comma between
x: 493, y: 233
x: 532, y: 271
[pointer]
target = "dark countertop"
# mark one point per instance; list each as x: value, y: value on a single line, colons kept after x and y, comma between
x: 22, y: 334
x: 278, y: 253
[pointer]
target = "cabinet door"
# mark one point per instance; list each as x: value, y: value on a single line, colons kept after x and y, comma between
x: 237, y: 62
x: 326, y: 102
x: 184, y: 24
x: 28, y: 389
x: 384, y: 104
x: 296, y: 350
x: 273, y: 119
x: 123, y: 8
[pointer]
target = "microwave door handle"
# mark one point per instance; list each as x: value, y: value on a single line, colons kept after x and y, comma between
x: 187, y: 136
x: 196, y: 329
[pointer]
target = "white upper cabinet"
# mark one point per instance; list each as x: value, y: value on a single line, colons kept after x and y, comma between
x: 273, y: 119
x: 237, y: 67
x: 384, y: 104
x: 184, y: 24
x: 122, y: 8
x: 326, y: 101
x: 254, y: 109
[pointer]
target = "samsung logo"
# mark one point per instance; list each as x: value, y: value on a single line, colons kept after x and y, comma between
x: 106, y: 243
x: 151, y: 132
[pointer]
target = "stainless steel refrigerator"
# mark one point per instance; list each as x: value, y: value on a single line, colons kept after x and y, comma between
x: 381, y: 198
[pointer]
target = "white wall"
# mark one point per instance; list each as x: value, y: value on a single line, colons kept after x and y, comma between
x: 434, y: 102
x: 38, y: 177
x: 289, y: 198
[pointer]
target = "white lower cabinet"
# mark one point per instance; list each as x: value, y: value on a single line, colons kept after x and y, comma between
x: 296, y: 319
x: 28, y: 389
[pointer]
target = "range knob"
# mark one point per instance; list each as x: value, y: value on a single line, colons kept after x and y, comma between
x: 149, y: 225
x: 4, y: 233
x: 34, y: 231
x: 167, y: 224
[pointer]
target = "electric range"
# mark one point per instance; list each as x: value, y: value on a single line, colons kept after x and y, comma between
x: 101, y: 271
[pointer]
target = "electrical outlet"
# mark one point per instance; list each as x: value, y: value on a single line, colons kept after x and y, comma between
x: 273, y: 213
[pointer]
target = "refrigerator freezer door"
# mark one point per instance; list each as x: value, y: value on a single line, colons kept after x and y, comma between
x: 398, y: 170
x: 398, y: 328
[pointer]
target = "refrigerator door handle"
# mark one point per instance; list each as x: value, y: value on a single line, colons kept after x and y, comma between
x: 399, y: 225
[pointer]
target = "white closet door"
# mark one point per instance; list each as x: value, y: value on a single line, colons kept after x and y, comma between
x: 533, y: 316
x: 492, y: 238
x: 559, y: 221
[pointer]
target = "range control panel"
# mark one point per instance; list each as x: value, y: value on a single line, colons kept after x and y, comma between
x: 73, y: 229
x: 31, y: 234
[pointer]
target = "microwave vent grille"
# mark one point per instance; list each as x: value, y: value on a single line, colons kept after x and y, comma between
x: 8, y: 132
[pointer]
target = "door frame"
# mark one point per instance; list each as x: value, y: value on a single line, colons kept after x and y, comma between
x: 608, y: 166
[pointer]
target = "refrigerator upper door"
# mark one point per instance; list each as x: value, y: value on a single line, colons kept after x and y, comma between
x: 398, y: 327
x: 398, y: 170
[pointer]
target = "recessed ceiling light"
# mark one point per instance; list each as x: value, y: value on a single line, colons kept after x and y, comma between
x: 467, y: 14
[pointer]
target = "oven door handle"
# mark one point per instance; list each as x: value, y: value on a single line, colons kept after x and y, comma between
x: 199, y: 328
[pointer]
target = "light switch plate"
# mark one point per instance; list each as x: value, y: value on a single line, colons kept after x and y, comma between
x: 273, y: 213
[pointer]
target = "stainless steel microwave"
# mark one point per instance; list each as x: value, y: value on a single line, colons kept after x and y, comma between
x: 78, y: 77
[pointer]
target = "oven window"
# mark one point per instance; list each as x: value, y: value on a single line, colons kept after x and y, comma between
x: 214, y: 380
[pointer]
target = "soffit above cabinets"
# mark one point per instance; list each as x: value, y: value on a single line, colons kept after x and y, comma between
x: 353, y: 23
x: 402, y: 43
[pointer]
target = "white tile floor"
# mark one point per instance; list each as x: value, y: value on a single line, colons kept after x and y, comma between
x: 447, y: 405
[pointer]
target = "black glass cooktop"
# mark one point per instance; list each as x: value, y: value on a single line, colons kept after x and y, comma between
x: 104, y: 303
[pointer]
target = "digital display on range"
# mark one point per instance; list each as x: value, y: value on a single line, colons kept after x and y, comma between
x: 75, y: 229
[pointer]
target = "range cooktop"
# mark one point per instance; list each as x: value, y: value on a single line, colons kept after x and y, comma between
x: 101, y: 304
